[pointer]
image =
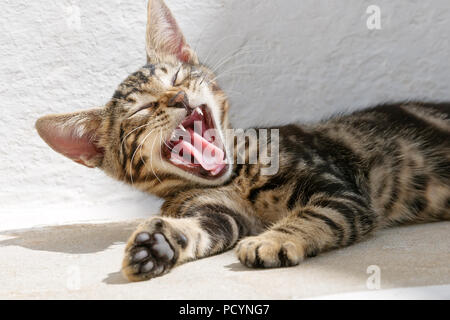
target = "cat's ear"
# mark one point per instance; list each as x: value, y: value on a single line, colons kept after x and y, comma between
x: 164, y: 37
x: 74, y: 135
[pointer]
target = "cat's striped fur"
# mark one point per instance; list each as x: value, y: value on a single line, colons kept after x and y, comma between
x: 338, y: 181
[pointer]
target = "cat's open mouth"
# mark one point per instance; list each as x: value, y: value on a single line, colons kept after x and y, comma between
x: 196, y: 147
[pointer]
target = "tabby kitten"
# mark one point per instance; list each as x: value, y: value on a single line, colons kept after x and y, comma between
x: 338, y: 180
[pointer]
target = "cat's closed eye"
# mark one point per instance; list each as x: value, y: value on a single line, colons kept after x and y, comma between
x: 175, y: 77
x: 143, y: 107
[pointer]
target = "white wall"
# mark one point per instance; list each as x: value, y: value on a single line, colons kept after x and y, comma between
x: 295, y: 60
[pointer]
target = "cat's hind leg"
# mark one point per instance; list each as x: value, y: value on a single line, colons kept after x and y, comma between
x: 325, y: 223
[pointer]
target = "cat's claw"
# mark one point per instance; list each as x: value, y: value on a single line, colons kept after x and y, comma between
x: 149, y: 253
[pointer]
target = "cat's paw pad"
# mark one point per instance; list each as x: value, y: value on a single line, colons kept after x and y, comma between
x: 149, y: 253
x: 268, y: 252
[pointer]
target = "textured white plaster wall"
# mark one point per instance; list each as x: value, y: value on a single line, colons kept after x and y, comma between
x: 280, y: 61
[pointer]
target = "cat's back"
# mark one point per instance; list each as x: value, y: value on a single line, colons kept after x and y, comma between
x: 409, y: 119
x: 404, y: 152
x: 376, y: 132
x: 391, y: 127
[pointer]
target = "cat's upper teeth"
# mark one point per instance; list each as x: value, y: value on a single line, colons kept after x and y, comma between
x: 199, y: 111
x: 182, y: 128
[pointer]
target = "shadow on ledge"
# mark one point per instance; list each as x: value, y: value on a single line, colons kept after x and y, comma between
x: 404, y: 256
x: 115, y: 278
x: 73, y: 239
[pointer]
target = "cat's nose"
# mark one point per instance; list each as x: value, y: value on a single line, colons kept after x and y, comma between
x: 179, y: 100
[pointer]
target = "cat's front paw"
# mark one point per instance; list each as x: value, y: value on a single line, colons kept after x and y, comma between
x: 269, y: 251
x: 152, y: 250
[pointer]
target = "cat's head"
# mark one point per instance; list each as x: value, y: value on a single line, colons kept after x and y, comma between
x: 145, y: 134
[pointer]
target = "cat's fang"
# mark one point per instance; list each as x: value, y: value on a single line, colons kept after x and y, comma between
x: 199, y: 111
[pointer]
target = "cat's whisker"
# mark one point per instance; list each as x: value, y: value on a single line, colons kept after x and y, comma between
x: 162, y: 141
x: 240, y: 50
x: 205, y: 61
x: 160, y: 155
x: 227, y: 72
x: 218, y: 75
x: 128, y: 134
x: 226, y: 59
x: 241, y: 66
x: 234, y: 55
x: 233, y: 91
x: 134, y: 154
x: 151, y: 156
x: 231, y: 75
x: 151, y: 161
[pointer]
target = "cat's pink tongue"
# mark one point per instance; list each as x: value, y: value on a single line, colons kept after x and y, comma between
x: 209, y: 156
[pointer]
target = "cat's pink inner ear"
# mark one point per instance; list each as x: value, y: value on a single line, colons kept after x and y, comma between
x: 74, y: 141
x: 164, y: 36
